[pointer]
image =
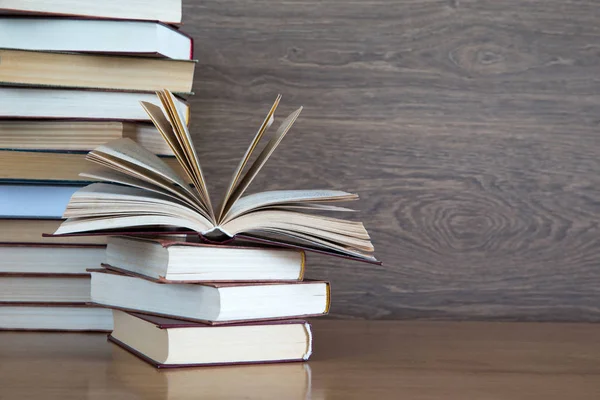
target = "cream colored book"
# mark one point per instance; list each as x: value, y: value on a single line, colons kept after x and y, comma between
x: 38, y: 68
x: 174, y: 261
x: 211, y: 302
x: 28, y: 231
x: 49, y: 166
x: 77, y: 135
x: 166, y: 342
x: 139, y: 191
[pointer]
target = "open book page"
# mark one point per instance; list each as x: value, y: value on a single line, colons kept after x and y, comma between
x: 105, y: 202
x: 120, y: 223
x: 125, y: 168
x: 225, y: 203
x: 274, y: 236
x: 305, y: 206
x: 275, y: 197
x: 178, y: 123
x: 263, y: 156
x: 102, y: 198
x: 132, y: 153
x: 165, y: 129
x: 149, y: 184
x: 346, y: 233
x: 151, y: 176
x: 127, y: 150
x: 175, y: 132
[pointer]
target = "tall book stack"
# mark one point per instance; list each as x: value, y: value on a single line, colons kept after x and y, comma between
x: 72, y: 75
x: 236, y: 293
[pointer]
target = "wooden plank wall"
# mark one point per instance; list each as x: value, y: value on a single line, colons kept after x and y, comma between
x: 469, y: 127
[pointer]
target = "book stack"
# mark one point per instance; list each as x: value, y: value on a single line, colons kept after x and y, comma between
x: 184, y: 304
x: 234, y: 295
x: 72, y: 75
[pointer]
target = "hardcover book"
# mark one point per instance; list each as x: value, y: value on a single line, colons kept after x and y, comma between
x: 51, y: 103
x: 55, y: 317
x: 69, y: 135
x: 91, y: 71
x: 34, y: 201
x: 49, y: 167
x: 168, y: 343
x: 176, y: 261
x: 95, y: 36
x: 41, y: 288
x: 212, y: 303
x: 29, y: 231
x: 42, y: 259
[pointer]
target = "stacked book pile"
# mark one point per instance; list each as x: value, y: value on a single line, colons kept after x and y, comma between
x: 191, y: 284
x: 72, y: 75
x: 178, y: 303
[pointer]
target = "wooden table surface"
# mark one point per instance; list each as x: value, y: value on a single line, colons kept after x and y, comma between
x: 352, y: 360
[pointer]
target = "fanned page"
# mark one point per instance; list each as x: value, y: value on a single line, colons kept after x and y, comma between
x: 102, y: 206
x: 178, y: 124
x: 177, y: 136
x: 346, y: 233
x: 128, y: 158
x: 148, y: 164
x: 138, y: 191
x: 263, y: 156
x: 109, y: 176
x: 271, y: 237
x: 225, y: 204
x: 282, y: 198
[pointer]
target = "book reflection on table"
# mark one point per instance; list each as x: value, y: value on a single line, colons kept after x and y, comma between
x: 260, y: 381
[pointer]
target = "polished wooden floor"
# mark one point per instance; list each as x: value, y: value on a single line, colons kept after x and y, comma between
x: 352, y: 360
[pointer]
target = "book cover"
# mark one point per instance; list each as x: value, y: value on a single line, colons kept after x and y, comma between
x: 169, y: 323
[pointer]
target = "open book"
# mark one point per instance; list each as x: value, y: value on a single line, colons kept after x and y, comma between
x: 138, y: 192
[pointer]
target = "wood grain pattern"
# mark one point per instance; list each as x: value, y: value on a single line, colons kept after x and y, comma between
x: 469, y: 128
x: 352, y: 360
